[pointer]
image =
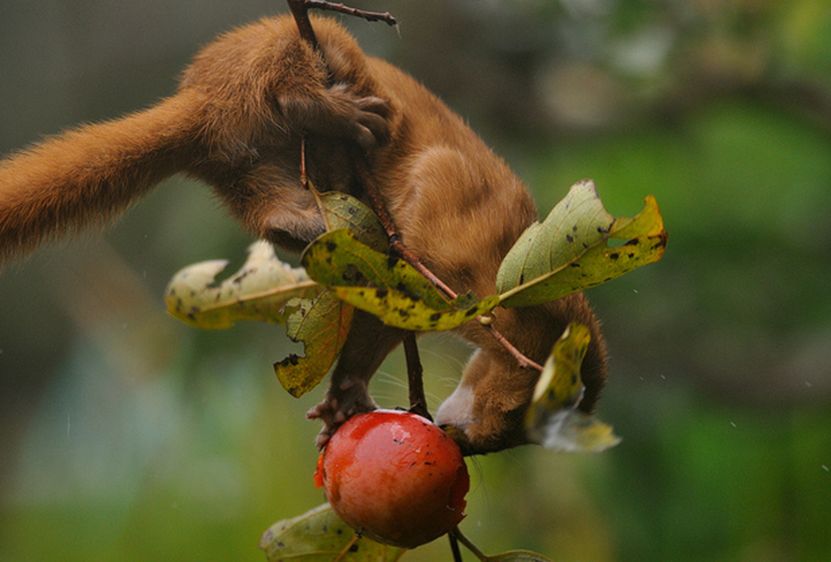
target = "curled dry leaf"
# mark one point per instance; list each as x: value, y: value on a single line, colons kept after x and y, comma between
x: 386, y: 286
x: 321, y: 536
x: 321, y: 324
x: 573, y: 249
x: 552, y: 419
x: 259, y: 291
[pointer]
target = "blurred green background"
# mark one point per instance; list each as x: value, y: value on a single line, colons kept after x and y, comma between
x: 128, y: 436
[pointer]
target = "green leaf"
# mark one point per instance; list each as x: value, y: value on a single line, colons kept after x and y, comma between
x: 320, y: 535
x: 552, y: 419
x: 572, y: 249
x: 518, y: 556
x: 258, y: 291
x: 386, y: 286
x: 321, y: 323
x: 341, y: 210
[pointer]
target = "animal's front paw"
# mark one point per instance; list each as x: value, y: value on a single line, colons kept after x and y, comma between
x: 340, y: 404
x: 342, y: 113
x: 365, y: 119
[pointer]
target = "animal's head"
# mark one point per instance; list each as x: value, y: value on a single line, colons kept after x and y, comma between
x: 486, y: 411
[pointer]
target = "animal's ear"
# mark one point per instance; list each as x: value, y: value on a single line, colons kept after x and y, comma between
x: 89, y: 175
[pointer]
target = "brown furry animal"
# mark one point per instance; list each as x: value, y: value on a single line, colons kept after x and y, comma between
x: 236, y: 123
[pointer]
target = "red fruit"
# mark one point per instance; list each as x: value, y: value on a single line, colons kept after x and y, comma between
x: 395, y: 477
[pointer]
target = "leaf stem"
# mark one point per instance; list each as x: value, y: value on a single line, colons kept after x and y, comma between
x: 347, y: 547
x: 469, y: 545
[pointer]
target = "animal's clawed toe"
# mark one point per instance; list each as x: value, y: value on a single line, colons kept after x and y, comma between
x: 340, y: 404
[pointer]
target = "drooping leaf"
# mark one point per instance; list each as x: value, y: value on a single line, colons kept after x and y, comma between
x: 341, y: 210
x: 572, y: 249
x: 552, y: 420
x: 399, y: 310
x: 321, y: 323
x: 319, y: 535
x: 386, y: 286
x: 519, y: 556
x: 258, y: 291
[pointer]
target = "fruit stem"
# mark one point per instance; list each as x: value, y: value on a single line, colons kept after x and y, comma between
x: 469, y: 545
x: 415, y: 379
x: 454, y: 547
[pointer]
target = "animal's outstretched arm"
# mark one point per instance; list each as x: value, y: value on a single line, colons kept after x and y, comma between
x: 89, y: 175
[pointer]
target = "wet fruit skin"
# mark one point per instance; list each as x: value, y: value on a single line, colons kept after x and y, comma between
x: 395, y: 477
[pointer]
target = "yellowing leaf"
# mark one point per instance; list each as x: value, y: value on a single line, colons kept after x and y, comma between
x: 399, y: 310
x: 258, y: 291
x: 386, y: 286
x: 552, y: 419
x: 321, y: 324
x: 320, y: 536
x: 571, y: 250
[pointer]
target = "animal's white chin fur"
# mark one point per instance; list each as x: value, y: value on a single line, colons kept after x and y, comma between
x: 457, y: 409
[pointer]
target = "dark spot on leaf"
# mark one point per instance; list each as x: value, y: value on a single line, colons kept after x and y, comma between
x: 630, y: 255
x: 381, y: 293
x: 392, y: 261
x: 339, y: 531
x: 521, y: 278
x: 614, y: 255
x: 607, y: 279
x: 331, y: 246
x: 353, y: 548
x: 574, y: 228
x: 551, y: 394
x: 470, y: 312
x: 586, y: 246
x: 575, y: 264
x: 435, y: 317
x: 632, y: 242
x: 573, y: 379
x: 569, y: 238
x: 403, y: 313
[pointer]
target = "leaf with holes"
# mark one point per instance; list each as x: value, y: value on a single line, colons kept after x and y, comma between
x: 341, y: 210
x: 573, y: 249
x: 386, y: 286
x: 259, y: 291
x: 552, y: 420
x: 321, y: 324
x: 321, y: 536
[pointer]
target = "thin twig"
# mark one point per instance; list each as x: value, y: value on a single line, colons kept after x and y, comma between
x: 454, y: 547
x: 415, y: 379
x: 304, y: 178
x: 300, y: 11
x: 385, y: 17
x: 469, y: 545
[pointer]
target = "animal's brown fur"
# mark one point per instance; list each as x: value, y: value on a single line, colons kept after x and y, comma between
x: 236, y: 123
